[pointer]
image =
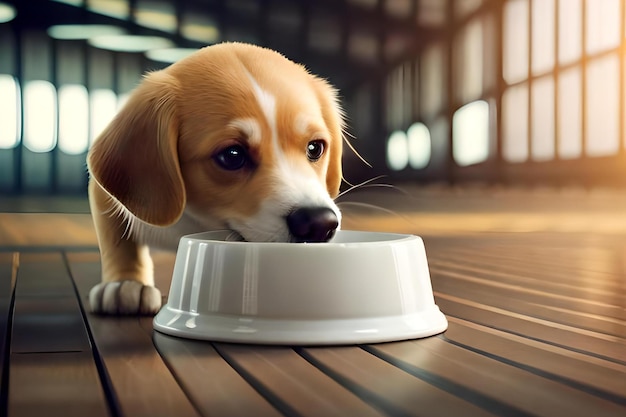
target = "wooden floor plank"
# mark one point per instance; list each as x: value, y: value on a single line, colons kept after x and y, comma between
x: 292, y: 384
x: 211, y: 383
x: 42, y: 229
x: 141, y: 383
x: 44, y: 274
x: 47, y: 316
x: 531, y: 277
x: 580, y: 266
x: 524, y: 392
x: 8, y: 269
x: 52, y: 369
x: 570, y: 283
x: 603, y: 378
x: 395, y: 391
x: 604, y: 306
x: 55, y: 384
x: 595, y: 317
x: 608, y: 347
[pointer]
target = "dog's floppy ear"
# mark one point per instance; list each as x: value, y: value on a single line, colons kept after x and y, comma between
x: 135, y: 159
x: 334, y: 118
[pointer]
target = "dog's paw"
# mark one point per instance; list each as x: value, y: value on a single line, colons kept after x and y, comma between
x: 124, y: 298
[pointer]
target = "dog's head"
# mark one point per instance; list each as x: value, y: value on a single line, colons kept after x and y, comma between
x: 236, y: 136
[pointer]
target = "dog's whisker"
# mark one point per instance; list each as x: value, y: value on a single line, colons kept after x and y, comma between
x: 367, y: 186
x: 368, y: 206
x: 375, y: 207
x: 361, y: 185
x: 353, y: 149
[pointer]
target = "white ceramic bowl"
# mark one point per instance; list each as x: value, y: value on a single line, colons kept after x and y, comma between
x: 360, y: 287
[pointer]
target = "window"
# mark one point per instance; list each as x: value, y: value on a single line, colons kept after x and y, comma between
x: 9, y: 112
x: 550, y: 125
x: 603, y: 22
x: 570, y: 30
x: 327, y: 31
x: 73, y: 119
x: 419, y: 146
x: 397, y: 151
x: 102, y: 108
x: 470, y: 58
x: 363, y: 45
x: 570, y: 114
x: 515, y: 124
x: 399, y: 93
x: 542, y: 31
x: 114, y: 8
x: 199, y: 27
x: 542, y: 117
x: 463, y: 8
x: 7, y: 13
x: 156, y: 15
x: 470, y: 133
x: 40, y: 113
x: 601, y: 106
x: 515, y: 32
x: 432, y: 81
x: 431, y: 13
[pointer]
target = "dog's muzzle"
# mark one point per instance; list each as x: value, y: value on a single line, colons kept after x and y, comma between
x: 312, y: 224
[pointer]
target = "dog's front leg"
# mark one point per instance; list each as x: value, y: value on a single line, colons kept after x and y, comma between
x: 127, y: 285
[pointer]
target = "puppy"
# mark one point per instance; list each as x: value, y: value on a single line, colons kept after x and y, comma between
x: 232, y: 137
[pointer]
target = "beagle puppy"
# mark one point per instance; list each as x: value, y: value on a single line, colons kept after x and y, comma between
x: 233, y: 137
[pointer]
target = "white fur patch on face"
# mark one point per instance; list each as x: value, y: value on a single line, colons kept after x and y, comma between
x: 302, y: 123
x: 294, y: 183
x: 267, y: 102
x: 250, y: 128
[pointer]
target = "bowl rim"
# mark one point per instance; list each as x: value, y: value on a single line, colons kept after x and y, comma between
x: 386, y: 239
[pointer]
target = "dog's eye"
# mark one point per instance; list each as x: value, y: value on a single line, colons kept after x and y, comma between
x: 232, y: 158
x: 315, y: 150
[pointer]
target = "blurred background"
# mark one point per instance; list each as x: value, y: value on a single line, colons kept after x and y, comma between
x: 437, y: 91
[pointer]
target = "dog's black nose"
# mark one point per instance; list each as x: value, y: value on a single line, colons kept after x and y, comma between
x: 312, y: 224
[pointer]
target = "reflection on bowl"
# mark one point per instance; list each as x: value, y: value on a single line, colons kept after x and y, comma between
x: 361, y: 287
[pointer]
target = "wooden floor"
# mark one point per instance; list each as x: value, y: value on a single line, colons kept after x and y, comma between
x: 537, y: 327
